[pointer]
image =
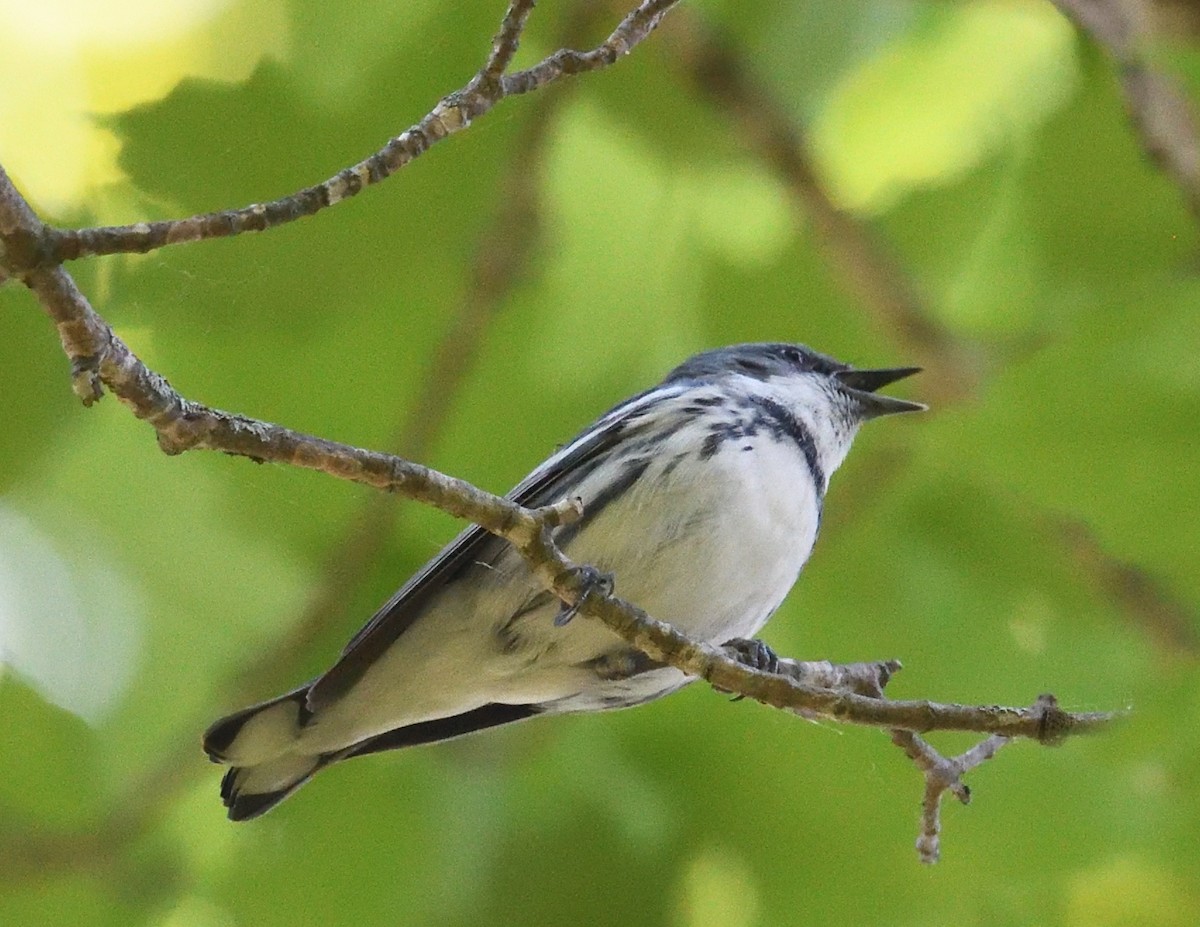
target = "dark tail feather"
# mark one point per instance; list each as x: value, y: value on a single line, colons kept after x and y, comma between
x: 264, y: 772
x: 427, y: 732
x: 257, y: 742
x: 245, y: 804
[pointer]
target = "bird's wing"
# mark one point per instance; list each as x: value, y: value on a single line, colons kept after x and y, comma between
x: 541, y: 487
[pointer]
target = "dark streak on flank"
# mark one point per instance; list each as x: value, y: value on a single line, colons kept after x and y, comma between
x: 735, y: 429
x: 630, y: 474
x: 670, y: 466
x: 427, y: 732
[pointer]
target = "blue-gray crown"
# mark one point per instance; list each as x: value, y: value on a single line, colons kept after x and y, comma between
x: 760, y: 361
x: 765, y: 360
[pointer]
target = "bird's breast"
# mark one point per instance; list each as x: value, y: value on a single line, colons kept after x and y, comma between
x: 711, y: 545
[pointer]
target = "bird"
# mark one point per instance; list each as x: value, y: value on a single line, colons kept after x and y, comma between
x: 702, y: 498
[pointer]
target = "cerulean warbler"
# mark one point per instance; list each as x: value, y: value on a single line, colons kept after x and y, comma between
x: 701, y: 496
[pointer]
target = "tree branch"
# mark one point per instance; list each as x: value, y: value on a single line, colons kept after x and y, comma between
x: 1161, y: 114
x: 501, y: 257
x: 944, y: 775
x: 1166, y: 620
x: 1043, y: 722
x: 631, y: 32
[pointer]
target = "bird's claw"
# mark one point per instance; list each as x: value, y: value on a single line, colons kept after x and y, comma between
x: 753, y: 653
x: 591, y: 581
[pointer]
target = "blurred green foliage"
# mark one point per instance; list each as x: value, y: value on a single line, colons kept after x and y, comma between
x: 1038, y: 533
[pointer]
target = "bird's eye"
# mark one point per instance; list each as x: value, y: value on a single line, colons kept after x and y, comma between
x: 793, y: 355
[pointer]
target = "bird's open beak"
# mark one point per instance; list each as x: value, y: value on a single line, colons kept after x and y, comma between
x: 861, y: 384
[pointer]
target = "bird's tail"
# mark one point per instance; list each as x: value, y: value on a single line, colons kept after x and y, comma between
x: 258, y: 744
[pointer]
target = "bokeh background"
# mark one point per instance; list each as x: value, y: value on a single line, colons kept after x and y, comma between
x: 955, y: 185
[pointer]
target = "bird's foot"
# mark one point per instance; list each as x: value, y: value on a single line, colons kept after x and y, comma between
x: 753, y: 653
x: 591, y: 582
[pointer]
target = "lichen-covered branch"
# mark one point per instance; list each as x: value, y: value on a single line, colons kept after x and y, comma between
x: 1045, y: 722
x: 631, y: 32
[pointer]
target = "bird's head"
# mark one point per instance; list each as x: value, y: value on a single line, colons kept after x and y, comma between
x: 830, y: 398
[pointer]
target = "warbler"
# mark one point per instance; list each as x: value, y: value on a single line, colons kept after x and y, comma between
x: 701, y: 497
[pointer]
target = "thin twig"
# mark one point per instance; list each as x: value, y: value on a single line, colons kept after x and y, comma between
x: 632, y: 31
x: 944, y: 775
x: 42, y: 245
x: 1046, y: 723
x: 504, y: 45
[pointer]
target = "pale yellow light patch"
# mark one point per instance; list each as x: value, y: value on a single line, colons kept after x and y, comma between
x: 1131, y: 892
x: 717, y: 890
x: 939, y: 100
x: 1028, y: 635
x: 62, y: 62
x: 71, y: 24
